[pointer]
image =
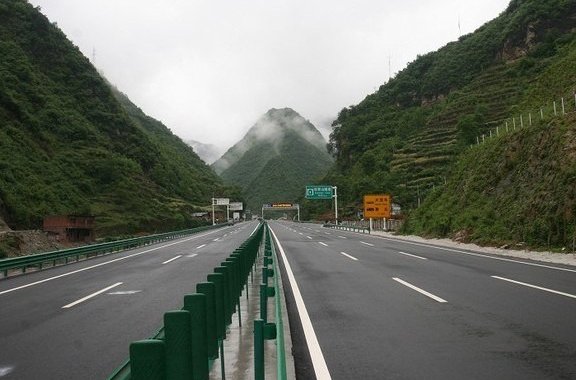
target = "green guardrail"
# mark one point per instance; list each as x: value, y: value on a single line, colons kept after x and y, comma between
x: 264, y: 330
x: 191, y: 337
x: 38, y: 261
x: 364, y: 230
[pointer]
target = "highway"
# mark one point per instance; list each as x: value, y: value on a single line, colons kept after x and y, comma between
x: 378, y: 308
x: 77, y: 321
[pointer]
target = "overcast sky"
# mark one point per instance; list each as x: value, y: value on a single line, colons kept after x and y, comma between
x: 208, y: 69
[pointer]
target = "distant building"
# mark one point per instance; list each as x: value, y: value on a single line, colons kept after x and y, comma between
x: 70, y: 228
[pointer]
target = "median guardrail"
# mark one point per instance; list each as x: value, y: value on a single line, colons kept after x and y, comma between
x: 264, y: 330
x: 193, y: 336
x: 38, y: 261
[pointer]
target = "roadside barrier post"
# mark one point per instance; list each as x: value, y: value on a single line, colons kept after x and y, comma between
x: 208, y: 289
x: 147, y: 360
x: 196, y: 305
x: 178, y: 345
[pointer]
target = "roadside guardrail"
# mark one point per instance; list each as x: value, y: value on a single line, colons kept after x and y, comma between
x: 363, y: 230
x: 38, y: 261
x: 193, y: 336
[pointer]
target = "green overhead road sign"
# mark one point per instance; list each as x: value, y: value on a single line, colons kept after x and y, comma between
x: 319, y: 192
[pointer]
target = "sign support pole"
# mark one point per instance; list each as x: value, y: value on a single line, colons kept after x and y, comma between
x: 335, y: 203
x: 213, y: 220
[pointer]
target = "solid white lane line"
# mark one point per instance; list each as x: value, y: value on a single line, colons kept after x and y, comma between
x: 101, y: 264
x: 324, y: 244
x: 342, y: 237
x: 309, y: 237
x: 318, y: 362
x: 201, y: 246
x: 172, y: 259
x: 536, y: 287
x: 422, y: 291
x: 411, y: 255
x: 91, y: 296
x: 363, y: 242
x: 478, y: 255
x: 192, y: 255
x: 349, y: 256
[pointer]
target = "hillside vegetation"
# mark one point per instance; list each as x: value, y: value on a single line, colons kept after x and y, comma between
x: 407, y: 138
x: 69, y: 144
x: 276, y: 159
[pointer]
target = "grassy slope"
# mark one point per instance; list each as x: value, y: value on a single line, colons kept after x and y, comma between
x: 68, y: 146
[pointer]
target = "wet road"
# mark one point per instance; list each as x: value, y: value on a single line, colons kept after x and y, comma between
x: 77, y: 321
x: 387, y: 309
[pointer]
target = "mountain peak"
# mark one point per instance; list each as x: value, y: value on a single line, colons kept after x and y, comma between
x: 273, y: 128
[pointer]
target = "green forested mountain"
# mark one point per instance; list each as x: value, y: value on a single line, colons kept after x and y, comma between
x: 69, y: 144
x: 408, y: 137
x: 275, y: 160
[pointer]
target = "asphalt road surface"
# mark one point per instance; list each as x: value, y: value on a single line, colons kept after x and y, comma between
x: 77, y: 321
x: 379, y: 308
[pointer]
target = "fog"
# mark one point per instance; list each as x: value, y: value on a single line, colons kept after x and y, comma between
x: 209, y: 69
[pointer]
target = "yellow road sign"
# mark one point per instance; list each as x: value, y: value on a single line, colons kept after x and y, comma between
x: 377, y: 206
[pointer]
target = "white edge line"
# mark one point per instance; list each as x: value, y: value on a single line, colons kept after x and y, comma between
x: 349, y: 256
x: 172, y: 259
x: 476, y: 254
x: 535, y: 287
x: 411, y: 255
x: 322, y: 243
x: 104, y: 263
x: 255, y: 228
x: 91, y: 295
x: 422, y: 291
x: 318, y: 362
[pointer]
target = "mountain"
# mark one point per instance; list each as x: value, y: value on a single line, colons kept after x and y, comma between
x: 412, y: 137
x: 70, y: 144
x: 276, y: 158
x: 207, y: 152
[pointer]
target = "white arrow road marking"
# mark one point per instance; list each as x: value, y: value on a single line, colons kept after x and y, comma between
x: 536, y: 287
x: 422, y: 291
x: 172, y: 259
x: 91, y: 296
x: 5, y: 370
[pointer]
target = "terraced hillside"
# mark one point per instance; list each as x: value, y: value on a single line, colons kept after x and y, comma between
x: 405, y: 138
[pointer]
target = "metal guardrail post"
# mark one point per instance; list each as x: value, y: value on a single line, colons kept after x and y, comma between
x: 196, y: 305
x: 147, y: 360
x: 178, y: 345
x: 259, y: 349
x: 209, y: 290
